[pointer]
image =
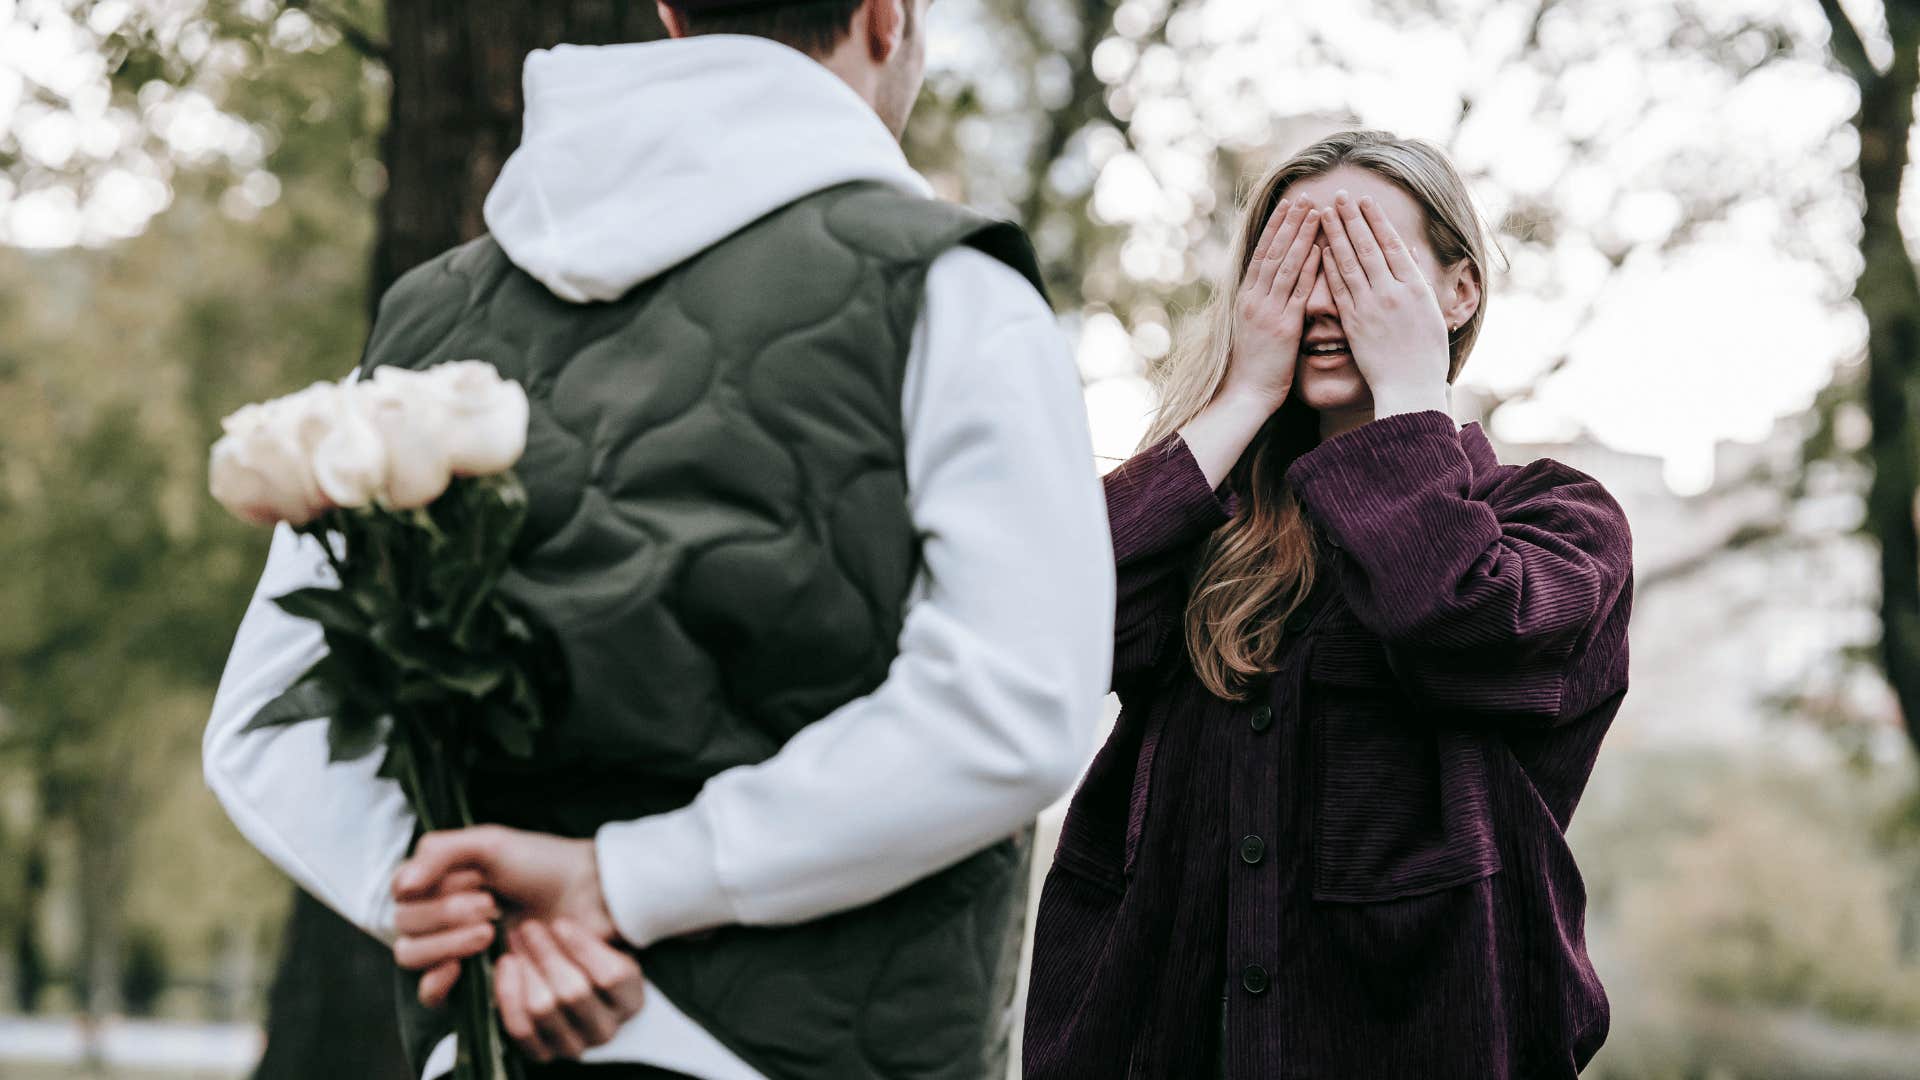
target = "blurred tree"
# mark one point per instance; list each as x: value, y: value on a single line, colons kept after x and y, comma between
x: 1888, y: 292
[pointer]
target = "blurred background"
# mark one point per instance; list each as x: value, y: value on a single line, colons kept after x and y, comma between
x: 1709, y: 302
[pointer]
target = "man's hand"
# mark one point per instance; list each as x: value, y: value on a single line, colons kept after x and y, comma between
x: 445, y: 896
x: 533, y: 874
x: 562, y: 990
x: 453, y: 921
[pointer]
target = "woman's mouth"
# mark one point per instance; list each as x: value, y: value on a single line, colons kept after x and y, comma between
x: 1326, y: 356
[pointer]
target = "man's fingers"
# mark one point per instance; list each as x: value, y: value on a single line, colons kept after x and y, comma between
x: 586, y: 1012
x: 462, y: 881
x: 441, y: 853
x: 543, y: 1003
x: 448, y: 911
x: 615, y: 973
x: 432, y: 950
x: 437, y: 984
x: 510, y: 993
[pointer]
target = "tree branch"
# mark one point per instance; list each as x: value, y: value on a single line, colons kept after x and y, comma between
x: 1846, y: 44
x: 356, y: 37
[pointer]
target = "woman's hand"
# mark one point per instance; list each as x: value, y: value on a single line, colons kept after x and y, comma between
x: 1269, y: 313
x: 562, y: 990
x: 1270, y: 310
x: 1387, y: 307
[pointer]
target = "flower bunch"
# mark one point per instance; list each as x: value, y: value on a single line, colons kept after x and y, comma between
x: 406, y: 481
x: 396, y: 440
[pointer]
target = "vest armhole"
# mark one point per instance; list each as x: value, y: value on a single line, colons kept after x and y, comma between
x: 1007, y: 242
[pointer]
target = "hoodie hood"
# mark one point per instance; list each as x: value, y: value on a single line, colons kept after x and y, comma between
x: 634, y: 158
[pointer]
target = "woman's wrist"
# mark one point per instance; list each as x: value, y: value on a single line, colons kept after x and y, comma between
x: 1395, y: 400
x: 1222, y: 431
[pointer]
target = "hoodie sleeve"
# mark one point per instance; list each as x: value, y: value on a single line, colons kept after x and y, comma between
x: 991, y: 707
x: 337, y: 829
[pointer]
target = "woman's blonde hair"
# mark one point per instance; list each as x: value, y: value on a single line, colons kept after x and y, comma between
x: 1259, y: 567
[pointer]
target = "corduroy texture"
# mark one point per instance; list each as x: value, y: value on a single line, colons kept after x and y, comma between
x: 1370, y: 853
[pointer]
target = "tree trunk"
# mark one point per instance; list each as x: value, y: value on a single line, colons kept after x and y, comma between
x: 456, y: 108
x: 1889, y: 294
x: 454, y: 118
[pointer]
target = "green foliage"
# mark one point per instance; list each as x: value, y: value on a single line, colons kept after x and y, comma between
x: 120, y: 581
x: 421, y: 642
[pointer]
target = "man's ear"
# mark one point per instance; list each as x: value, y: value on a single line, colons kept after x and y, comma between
x: 886, y: 27
x: 670, y: 19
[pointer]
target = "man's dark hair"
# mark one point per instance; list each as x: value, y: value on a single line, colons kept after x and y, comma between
x: 816, y: 27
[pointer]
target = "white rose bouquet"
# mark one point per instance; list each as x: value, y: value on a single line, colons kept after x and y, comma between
x: 406, y: 481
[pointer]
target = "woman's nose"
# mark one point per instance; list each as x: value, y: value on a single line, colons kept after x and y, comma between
x: 1320, y: 301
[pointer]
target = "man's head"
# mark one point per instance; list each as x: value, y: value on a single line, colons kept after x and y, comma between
x: 875, y: 46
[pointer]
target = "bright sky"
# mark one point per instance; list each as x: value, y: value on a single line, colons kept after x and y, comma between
x: 1713, y: 340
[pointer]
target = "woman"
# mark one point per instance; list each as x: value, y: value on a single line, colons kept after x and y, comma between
x: 1365, y: 670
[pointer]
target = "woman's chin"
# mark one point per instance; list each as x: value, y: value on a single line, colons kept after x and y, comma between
x: 1340, y: 388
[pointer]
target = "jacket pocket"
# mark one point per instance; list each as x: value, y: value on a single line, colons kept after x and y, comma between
x: 1100, y: 835
x: 1401, y: 807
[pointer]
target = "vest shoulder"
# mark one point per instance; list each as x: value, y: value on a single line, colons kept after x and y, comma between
x: 898, y: 226
x: 428, y: 302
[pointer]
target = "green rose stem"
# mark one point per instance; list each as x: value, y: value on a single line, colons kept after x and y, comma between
x: 479, y: 1052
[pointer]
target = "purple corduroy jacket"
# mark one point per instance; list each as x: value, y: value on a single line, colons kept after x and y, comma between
x: 1368, y: 856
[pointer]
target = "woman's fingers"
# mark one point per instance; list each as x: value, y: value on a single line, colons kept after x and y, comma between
x: 1399, y: 257
x: 1309, y: 275
x: 1282, y: 230
x: 510, y: 993
x: 420, y: 952
x: 1346, y: 264
x: 1274, y: 224
x: 1366, y: 246
x: 1288, y: 276
x: 561, y: 1000
x: 447, y: 911
x: 615, y: 973
x: 1336, y: 282
x: 437, y: 984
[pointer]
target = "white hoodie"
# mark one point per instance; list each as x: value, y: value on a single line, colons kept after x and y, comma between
x: 636, y: 157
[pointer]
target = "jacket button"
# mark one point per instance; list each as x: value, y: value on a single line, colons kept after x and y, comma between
x: 1252, y: 850
x: 1262, y: 718
x: 1298, y: 621
x: 1254, y: 978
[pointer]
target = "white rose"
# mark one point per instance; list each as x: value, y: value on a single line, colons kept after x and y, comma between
x: 486, y: 417
x: 410, y: 421
x: 349, y: 457
x: 259, y: 470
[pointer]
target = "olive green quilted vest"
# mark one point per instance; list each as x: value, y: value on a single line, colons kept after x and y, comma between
x: 719, y: 535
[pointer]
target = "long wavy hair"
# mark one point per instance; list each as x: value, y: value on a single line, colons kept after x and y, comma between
x: 1259, y: 567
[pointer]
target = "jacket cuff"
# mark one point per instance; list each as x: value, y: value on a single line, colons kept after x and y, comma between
x: 658, y: 878
x: 1347, y: 481
x: 1160, y: 498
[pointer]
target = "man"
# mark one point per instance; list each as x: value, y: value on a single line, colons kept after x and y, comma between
x: 815, y: 519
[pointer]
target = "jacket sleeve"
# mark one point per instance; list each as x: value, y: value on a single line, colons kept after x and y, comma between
x: 1160, y: 509
x: 991, y: 706
x: 337, y: 829
x: 1494, y: 594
